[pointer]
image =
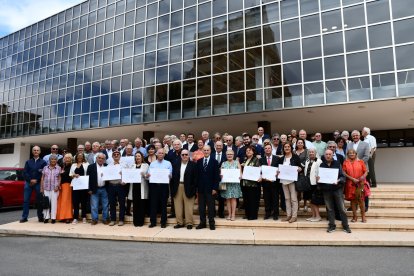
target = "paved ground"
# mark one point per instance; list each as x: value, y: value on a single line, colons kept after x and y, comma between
x: 13, y: 214
x: 47, y: 256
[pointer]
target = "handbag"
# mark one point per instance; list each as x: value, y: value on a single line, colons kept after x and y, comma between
x: 222, y: 186
x: 45, y: 202
x: 303, y: 183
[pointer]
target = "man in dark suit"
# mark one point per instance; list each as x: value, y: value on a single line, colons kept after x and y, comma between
x: 205, y: 136
x: 262, y: 135
x: 190, y: 145
x: 220, y: 156
x: 228, y: 144
x: 97, y: 189
x: 332, y: 146
x: 108, y: 149
x: 208, y: 175
x: 271, y: 188
x: 183, y: 190
x: 174, y: 156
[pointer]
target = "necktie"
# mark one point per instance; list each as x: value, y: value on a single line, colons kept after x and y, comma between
x: 218, y: 157
x: 205, y: 164
x: 268, y: 161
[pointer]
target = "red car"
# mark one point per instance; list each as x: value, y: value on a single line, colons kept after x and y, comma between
x: 11, y: 187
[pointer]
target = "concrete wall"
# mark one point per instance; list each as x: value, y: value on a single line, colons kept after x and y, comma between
x: 395, y: 165
x: 18, y: 158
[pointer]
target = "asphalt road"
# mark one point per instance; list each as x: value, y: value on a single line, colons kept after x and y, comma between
x: 54, y: 256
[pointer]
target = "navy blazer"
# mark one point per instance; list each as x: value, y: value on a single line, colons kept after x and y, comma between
x: 92, y: 171
x: 173, y: 157
x: 193, y: 148
x: 209, y: 179
x: 190, y: 179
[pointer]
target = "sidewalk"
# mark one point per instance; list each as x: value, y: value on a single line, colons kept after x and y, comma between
x: 222, y: 235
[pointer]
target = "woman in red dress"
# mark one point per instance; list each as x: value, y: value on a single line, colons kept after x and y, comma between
x: 355, y: 172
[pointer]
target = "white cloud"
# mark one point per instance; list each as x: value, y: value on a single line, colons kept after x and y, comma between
x: 17, y: 14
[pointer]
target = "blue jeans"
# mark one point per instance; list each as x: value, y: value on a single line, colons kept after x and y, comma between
x: 28, y: 190
x: 117, y: 193
x: 102, y: 195
x: 333, y: 198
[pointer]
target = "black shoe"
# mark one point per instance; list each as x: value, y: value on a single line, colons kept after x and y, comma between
x: 177, y: 226
x: 171, y: 216
x: 221, y: 215
x: 163, y: 225
x: 46, y: 221
x: 347, y: 230
x: 189, y: 227
x: 275, y: 217
x: 266, y: 217
x: 41, y: 219
x: 53, y: 221
x: 212, y: 227
x: 152, y: 225
x: 23, y: 220
x: 331, y: 229
x: 349, y: 209
x: 201, y: 226
x: 129, y: 214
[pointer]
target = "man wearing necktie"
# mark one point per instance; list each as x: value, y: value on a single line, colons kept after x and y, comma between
x: 220, y: 157
x: 208, y: 174
x: 270, y: 188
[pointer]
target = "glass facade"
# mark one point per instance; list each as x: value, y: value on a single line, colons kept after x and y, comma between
x: 106, y: 63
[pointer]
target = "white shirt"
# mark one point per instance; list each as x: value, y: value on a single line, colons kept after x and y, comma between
x: 274, y: 150
x: 182, y: 170
x: 356, y: 145
x: 372, y: 142
x: 190, y: 146
x: 309, y: 144
x: 99, y: 169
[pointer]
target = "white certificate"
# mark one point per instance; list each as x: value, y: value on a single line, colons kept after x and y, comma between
x: 127, y: 161
x: 230, y: 175
x: 131, y: 175
x: 269, y: 173
x: 80, y: 183
x: 251, y: 173
x: 328, y: 176
x: 111, y: 173
x: 287, y: 172
x: 160, y: 176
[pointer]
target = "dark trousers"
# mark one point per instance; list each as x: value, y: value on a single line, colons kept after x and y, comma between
x: 117, y: 193
x: 251, y: 204
x: 371, y: 173
x: 221, y: 201
x: 203, y: 200
x: 271, y: 197
x: 79, y: 197
x: 139, y: 205
x: 159, y: 196
x: 335, y: 197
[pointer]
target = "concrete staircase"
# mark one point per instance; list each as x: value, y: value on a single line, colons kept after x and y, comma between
x: 391, y: 209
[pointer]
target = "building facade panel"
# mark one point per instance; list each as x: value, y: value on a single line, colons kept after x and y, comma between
x: 107, y: 63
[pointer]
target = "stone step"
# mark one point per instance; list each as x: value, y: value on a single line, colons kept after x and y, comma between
x: 392, y: 196
x: 371, y: 224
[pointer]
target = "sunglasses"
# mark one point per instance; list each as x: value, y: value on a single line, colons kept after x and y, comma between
x: 54, y: 149
x: 184, y: 154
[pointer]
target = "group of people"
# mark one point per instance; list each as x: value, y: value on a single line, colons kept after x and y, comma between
x: 195, y: 171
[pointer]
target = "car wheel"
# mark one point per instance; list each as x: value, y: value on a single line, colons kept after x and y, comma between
x: 1, y: 203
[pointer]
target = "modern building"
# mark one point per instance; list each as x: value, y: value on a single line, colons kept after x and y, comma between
x: 107, y: 68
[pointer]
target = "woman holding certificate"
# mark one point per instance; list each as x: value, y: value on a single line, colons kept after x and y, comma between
x: 251, y: 193
x: 79, y: 196
x: 64, y: 208
x: 355, y: 172
x: 139, y: 193
x: 291, y: 197
x: 311, y: 167
x: 232, y: 190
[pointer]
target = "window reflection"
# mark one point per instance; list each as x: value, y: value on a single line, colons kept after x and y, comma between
x: 293, y: 96
x: 274, y: 98
x: 220, y: 105
x: 335, y: 91
x: 204, y: 106
x: 359, y: 89
x: 174, y: 110
x: 313, y: 93
x: 406, y: 83
x: 383, y: 86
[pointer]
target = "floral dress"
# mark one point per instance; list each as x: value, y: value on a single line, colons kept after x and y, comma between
x: 233, y: 190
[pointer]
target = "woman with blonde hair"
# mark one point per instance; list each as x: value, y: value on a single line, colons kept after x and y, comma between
x: 64, y: 207
x: 355, y: 191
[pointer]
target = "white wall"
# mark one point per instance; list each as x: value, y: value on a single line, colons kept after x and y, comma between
x: 395, y: 165
x: 18, y: 158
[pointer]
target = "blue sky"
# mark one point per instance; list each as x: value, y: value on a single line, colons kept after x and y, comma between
x: 17, y: 14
